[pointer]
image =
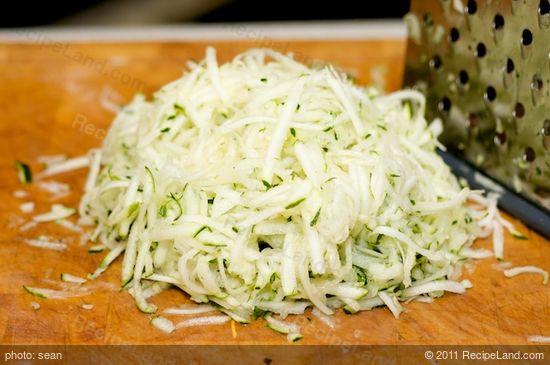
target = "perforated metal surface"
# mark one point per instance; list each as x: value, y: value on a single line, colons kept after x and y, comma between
x: 485, y: 68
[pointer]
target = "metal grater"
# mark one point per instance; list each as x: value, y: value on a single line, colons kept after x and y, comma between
x: 485, y: 68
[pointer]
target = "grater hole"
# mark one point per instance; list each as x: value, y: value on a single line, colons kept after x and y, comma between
x: 509, y: 65
x: 490, y: 94
x: 481, y: 50
x: 546, y: 128
x: 519, y: 111
x: 544, y: 7
x: 473, y: 120
x: 529, y: 154
x: 445, y: 104
x: 435, y: 62
x: 471, y: 7
x: 526, y: 37
x: 500, y: 138
x: 463, y: 77
x: 537, y: 83
x: 498, y: 22
x: 454, y: 35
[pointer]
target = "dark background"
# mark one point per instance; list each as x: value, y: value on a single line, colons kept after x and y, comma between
x: 23, y: 13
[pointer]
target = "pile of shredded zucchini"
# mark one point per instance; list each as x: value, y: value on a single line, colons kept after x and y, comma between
x: 264, y: 186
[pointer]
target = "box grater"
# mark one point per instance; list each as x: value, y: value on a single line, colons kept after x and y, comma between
x: 484, y: 67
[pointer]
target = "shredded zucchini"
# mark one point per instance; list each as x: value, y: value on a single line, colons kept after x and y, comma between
x: 71, y: 278
x: 57, y: 212
x: 163, y: 324
x: 263, y: 184
x: 510, y: 273
x: 45, y: 293
x: 23, y: 172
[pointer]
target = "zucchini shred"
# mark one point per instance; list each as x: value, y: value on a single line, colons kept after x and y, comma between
x: 266, y: 185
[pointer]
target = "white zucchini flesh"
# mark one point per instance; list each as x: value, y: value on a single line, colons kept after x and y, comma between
x: 265, y: 183
x: 510, y: 273
x: 163, y: 324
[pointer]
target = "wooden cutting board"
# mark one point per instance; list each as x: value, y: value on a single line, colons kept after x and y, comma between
x: 52, y: 100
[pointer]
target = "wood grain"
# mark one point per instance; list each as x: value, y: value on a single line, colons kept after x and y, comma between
x: 50, y: 103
